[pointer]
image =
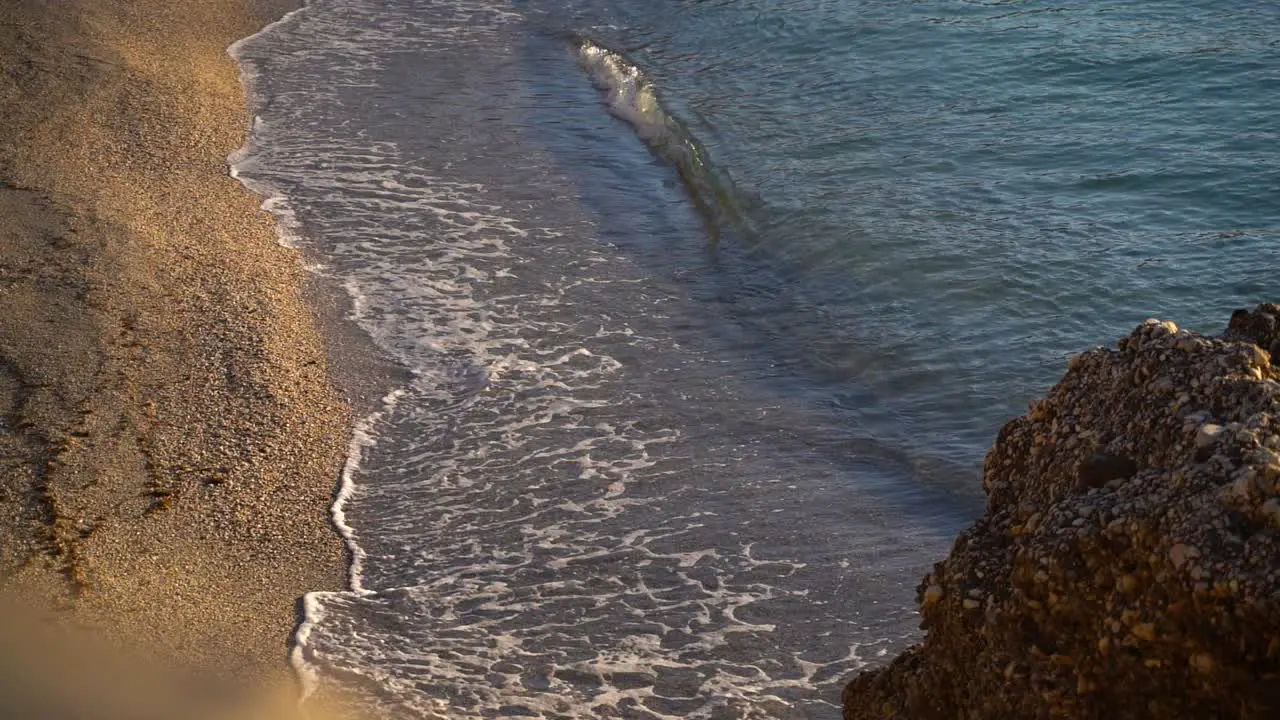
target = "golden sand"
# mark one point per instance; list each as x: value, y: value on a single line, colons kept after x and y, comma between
x: 169, y: 435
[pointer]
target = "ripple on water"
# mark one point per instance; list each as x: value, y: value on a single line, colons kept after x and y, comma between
x: 640, y: 474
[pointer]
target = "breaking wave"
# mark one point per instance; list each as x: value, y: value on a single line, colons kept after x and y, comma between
x: 632, y: 97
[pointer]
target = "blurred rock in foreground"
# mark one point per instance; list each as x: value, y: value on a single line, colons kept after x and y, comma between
x: 1128, y: 563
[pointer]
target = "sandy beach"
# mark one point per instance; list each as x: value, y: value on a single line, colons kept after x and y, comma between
x: 170, y: 436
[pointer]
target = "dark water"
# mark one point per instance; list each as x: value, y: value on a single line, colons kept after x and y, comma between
x: 712, y: 308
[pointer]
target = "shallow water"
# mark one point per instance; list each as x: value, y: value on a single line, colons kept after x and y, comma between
x: 711, y: 310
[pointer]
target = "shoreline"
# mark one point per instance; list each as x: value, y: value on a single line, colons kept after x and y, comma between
x: 172, y: 421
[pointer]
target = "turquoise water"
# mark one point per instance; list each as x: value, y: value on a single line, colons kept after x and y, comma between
x: 710, y: 310
x: 975, y: 190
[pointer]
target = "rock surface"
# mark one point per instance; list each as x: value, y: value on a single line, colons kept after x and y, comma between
x: 1128, y: 563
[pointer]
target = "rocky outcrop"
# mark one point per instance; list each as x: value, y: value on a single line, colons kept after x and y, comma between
x: 1128, y: 563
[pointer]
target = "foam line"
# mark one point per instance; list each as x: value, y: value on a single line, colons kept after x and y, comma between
x: 288, y: 234
x: 361, y: 438
x: 312, y: 606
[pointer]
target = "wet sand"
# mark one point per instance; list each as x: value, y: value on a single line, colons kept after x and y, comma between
x: 170, y: 436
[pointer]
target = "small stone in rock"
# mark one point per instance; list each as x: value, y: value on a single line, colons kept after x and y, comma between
x: 1101, y: 467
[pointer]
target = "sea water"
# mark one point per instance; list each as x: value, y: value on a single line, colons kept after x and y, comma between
x: 710, y: 310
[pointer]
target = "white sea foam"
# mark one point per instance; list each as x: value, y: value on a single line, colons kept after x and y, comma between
x: 289, y: 233
x: 274, y: 201
x: 362, y: 438
x: 631, y: 94
x: 306, y: 672
x: 528, y: 518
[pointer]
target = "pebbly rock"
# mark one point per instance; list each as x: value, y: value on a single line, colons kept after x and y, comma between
x: 1128, y: 563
